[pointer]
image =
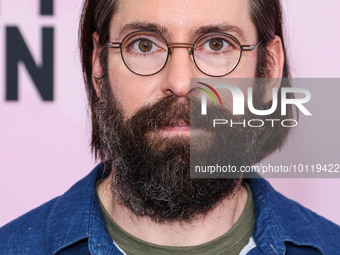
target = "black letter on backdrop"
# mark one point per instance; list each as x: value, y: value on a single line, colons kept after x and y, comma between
x: 46, y: 7
x: 17, y: 51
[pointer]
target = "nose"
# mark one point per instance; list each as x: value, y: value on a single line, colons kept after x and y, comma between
x: 177, y: 72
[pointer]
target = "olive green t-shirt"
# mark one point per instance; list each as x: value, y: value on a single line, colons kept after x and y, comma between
x: 231, y: 242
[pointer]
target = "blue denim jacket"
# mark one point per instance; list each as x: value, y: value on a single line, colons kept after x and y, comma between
x: 73, y: 224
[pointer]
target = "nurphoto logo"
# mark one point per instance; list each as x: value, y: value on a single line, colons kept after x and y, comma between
x: 240, y: 102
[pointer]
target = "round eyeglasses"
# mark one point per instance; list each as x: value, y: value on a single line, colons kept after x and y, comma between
x: 215, y: 54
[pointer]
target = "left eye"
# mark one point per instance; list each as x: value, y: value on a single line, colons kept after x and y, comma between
x: 145, y: 45
x: 216, y: 44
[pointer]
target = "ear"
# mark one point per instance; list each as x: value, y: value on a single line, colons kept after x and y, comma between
x: 275, y: 65
x: 97, y: 70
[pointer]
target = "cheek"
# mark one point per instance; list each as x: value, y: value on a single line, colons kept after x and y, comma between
x: 247, y: 66
x: 245, y: 72
x: 132, y: 91
x: 130, y: 96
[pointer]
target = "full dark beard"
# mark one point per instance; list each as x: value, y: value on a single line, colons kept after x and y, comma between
x: 151, y: 172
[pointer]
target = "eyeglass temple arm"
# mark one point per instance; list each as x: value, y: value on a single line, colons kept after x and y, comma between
x: 114, y: 44
x: 250, y: 47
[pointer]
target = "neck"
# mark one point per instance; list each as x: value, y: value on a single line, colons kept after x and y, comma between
x: 216, y: 223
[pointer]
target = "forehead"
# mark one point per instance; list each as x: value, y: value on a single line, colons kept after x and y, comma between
x: 182, y: 18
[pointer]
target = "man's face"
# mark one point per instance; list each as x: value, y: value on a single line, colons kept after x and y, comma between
x: 180, y: 20
x: 144, y: 120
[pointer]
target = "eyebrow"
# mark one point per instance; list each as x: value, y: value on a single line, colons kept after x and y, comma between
x: 156, y: 28
x: 143, y: 26
x: 223, y: 28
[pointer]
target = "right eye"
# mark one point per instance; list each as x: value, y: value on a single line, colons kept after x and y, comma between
x: 143, y: 45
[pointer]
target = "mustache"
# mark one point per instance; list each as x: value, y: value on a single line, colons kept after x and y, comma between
x: 164, y: 112
x: 171, y: 109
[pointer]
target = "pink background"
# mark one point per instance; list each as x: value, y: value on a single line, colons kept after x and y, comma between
x: 44, y: 146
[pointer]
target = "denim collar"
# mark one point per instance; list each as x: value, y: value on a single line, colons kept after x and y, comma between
x: 280, y: 220
x: 76, y: 216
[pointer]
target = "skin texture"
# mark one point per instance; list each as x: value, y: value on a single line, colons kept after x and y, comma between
x: 181, y: 19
